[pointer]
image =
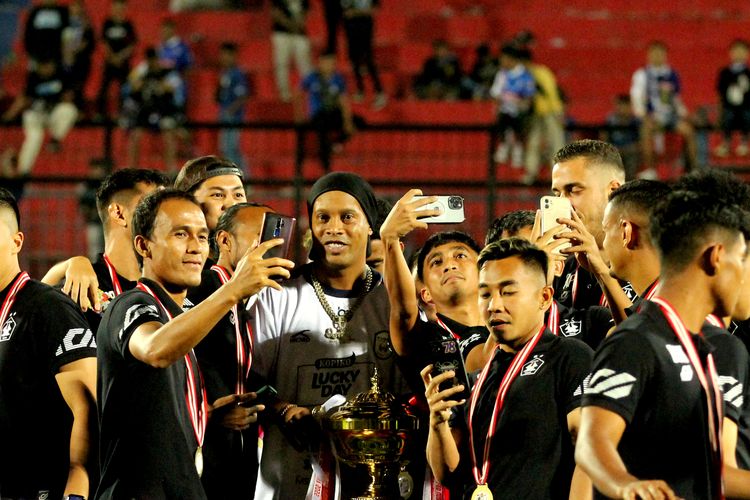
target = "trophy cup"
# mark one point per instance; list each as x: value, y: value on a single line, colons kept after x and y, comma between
x: 374, y: 430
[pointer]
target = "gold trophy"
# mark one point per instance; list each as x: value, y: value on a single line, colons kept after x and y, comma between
x: 372, y: 429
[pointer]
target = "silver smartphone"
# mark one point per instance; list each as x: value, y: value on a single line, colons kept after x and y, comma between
x: 451, y: 209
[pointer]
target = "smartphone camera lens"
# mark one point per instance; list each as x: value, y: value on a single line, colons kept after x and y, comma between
x: 455, y: 203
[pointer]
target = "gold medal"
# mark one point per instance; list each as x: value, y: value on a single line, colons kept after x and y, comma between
x: 482, y: 493
x: 199, y: 461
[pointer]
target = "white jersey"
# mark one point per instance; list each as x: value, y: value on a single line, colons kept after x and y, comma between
x: 306, y: 368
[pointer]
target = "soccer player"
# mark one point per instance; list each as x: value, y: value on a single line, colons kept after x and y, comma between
x: 93, y: 286
x: 585, y: 172
x: 225, y: 357
x: 514, y: 438
x: 153, y: 405
x: 47, y: 380
x: 654, y: 384
x: 326, y: 331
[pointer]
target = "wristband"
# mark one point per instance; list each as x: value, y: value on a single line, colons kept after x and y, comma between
x: 286, y: 408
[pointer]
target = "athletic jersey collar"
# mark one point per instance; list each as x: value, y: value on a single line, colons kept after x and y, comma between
x: 459, y: 328
x: 4, y: 291
x: 163, y: 296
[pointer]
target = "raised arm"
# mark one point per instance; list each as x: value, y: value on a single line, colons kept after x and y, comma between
x: 398, y: 279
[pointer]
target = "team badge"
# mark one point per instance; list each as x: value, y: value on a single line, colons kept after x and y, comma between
x: 8, y: 328
x: 571, y: 327
x: 629, y: 292
x: 532, y: 366
x: 382, y: 345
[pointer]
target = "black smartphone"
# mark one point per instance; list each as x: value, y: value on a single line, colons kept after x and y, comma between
x: 278, y: 226
x: 445, y: 355
x: 264, y: 395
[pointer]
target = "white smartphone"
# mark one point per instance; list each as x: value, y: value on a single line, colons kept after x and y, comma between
x: 451, y: 210
x: 553, y: 208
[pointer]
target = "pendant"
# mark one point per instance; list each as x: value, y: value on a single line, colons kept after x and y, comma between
x: 199, y: 460
x: 405, y: 484
x: 482, y: 493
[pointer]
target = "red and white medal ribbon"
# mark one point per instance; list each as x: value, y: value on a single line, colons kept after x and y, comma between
x: 553, y: 318
x: 244, y: 360
x: 447, y: 329
x: 716, y: 321
x: 714, y: 402
x: 113, y: 275
x: 10, y: 299
x: 510, y: 375
x: 198, y: 410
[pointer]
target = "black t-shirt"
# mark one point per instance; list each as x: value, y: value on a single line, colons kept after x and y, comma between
x: 733, y: 86
x: 106, y: 290
x: 43, y: 34
x: 147, y: 443
x: 642, y: 373
x: 43, y: 332
x: 585, y: 289
x: 46, y: 90
x: 293, y: 9
x: 589, y: 325
x: 532, y: 449
x: 118, y: 35
x: 424, y: 332
x: 733, y: 366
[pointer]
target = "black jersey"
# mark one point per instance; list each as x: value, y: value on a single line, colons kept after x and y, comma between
x: 733, y: 86
x: 147, y: 443
x: 107, y: 290
x: 642, y: 373
x: 231, y: 457
x: 43, y: 33
x: 532, y: 449
x: 422, y: 333
x: 578, y: 288
x: 733, y: 367
x: 589, y: 324
x: 43, y: 332
x: 118, y: 35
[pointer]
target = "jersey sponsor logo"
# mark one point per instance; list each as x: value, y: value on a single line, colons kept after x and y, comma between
x: 8, y: 327
x: 336, y: 362
x: 532, y: 366
x: 138, y: 310
x: 76, y: 338
x: 571, y: 327
x: 611, y: 384
x: 732, y: 389
x: 679, y: 357
x: 381, y: 345
x: 300, y: 337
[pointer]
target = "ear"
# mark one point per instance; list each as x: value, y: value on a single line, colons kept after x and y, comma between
x: 629, y: 234
x: 17, y: 239
x: 116, y: 213
x: 558, y: 266
x: 426, y: 296
x: 224, y: 241
x: 547, y: 297
x: 141, y: 246
x: 712, y: 258
x: 613, y: 184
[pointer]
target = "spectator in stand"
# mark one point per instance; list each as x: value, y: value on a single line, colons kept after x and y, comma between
x: 514, y: 89
x: 655, y: 94
x: 289, y: 40
x: 328, y: 107
x: 546, y: 131
x: 479, y: 81
x: 622, y: 132
x: 360, y: 27
x: 42, y: 38
x: 333, y: 15
x: 174, y: 53
x: 441, y: 74
x: 231, y: 95
x: 154, y: 103
x: 733, y: 86
x: 78, y: 47
x: 47, y: 103
x: 118, y: 37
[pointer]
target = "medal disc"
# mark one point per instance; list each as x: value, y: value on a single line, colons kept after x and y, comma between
x: 405, y: 484
x: 199, y: 460
x: 482, y: 493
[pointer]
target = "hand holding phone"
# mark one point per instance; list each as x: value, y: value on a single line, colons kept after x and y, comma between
x: 277, y: 226
x: 553, y: 208
x: 445, y: 355
x: 451, y: 210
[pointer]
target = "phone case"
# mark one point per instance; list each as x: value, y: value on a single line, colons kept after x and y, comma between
x: 553, y: 208
x: 451, y: 206
x: 445, y: 355
x: 278, y: 226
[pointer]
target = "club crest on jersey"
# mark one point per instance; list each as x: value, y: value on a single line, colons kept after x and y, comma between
x: 382, y: 345
x: 7, y: 332
x: 629, y: 292
x: 532, y: 366
x: 571, y: 327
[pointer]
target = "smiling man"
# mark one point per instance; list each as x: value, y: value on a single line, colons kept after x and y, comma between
x: 153, y: 406
x: 325, y: 331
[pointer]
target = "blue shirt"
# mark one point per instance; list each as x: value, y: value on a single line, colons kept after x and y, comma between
x: 323, y: 95
x: 233, y: 85
x: 513, y: 88
x: 175, y: 54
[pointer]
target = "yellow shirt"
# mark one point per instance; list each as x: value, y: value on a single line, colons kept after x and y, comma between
x: 547, y: 99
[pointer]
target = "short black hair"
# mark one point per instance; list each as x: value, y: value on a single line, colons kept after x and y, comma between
x: 684, y: 220
x: 639, y: 194
x: 720, y: 184
x: 657, y: 44
x: 597, y: 152
x: 384, y: 208
x: 511, y: 222
x: 7, y: 200
x: 439, y: 239
x: 228, y: 46
x: 145, y: 212
x: 530, y: 254
x: 739, y: 41
x: 125, y: 180
x: 229, y: 216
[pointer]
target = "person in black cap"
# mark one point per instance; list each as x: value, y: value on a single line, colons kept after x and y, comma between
x: 326, y: 331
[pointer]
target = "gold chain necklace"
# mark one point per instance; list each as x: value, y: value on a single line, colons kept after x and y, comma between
x: 341, y: 318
